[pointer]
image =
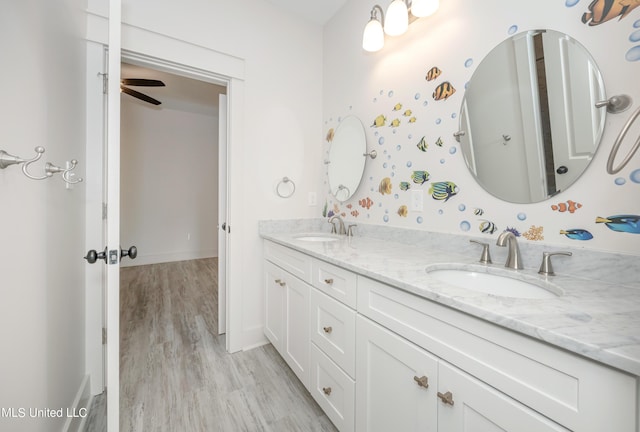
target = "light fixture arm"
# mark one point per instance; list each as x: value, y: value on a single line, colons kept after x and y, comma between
x: 374, y: 16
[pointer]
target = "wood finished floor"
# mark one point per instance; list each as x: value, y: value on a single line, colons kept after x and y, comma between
x: 175, y: 374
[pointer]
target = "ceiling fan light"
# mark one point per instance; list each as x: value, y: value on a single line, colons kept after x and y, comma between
x: 397, y: 19
x: 424, y: 8
x: 373, y: 36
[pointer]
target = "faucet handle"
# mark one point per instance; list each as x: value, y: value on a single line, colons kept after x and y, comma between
x: 486, y: 256
x: 333, y: 227
x: 546, y: 268
x: 350, y: 230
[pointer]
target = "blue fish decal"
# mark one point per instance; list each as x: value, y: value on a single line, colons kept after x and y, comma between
x: 577, y: 234
x: 622, y: 223
x: 443, y: 190
x: 420, y: 177
x: 405, y: 186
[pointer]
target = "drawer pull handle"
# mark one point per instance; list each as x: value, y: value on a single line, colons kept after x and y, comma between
x: 326, y: 390
x: 422, y: 381
x: 446, y: 397
x: 328, y: 281
x: 280, y: 282
x: 327, y: 329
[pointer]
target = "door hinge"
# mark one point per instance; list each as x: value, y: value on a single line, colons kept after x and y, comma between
x: 104, y: 211
x: 104, y: 336
x: 105, y: 82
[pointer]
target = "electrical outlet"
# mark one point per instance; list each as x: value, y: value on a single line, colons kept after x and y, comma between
x: 312, y: 199
x: 417, y: 200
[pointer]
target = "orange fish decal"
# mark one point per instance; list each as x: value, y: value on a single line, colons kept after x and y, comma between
x: 601, y: 11
x: 570, y: 206
x: 355, y: 213
x: 433, y: 73
x: 366, y: 203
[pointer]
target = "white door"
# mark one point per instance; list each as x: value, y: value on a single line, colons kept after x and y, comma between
x: 112, y: 221
x: 396, y: 382
x: 468, y: 405
x: 222, y: 214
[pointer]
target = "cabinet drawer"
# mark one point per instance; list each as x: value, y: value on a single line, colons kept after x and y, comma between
x: 333, y: 389
x: 296, y: 263
x: 335, y: 281
x: 576, y: 392
x: 333, y: 329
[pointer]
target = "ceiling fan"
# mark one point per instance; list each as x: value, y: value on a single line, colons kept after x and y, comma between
x: 140, y: 82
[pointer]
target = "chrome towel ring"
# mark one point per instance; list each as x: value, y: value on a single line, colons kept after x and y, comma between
x: 616, y: 145
x: 284, y: 181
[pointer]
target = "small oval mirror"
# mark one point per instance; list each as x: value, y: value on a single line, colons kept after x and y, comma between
x: 529, y: 125
x: 346, y: 158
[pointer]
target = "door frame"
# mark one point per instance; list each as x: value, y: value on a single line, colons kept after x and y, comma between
x: 234, y: 94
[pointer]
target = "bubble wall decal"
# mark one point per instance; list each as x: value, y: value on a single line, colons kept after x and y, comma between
x: 620, y: 181
x: 635, y: 176
x: 465, y: 226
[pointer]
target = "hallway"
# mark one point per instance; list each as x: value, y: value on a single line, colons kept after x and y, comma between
x: 175, y: 374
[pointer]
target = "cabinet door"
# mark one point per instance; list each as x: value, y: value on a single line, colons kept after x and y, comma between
x: 396, y: 382
x: 468, y: 405
x: 296, y: 343
x: 274, y: 304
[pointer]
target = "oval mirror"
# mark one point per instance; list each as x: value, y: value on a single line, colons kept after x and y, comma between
x: 529, y: 125
x: 346, y: 158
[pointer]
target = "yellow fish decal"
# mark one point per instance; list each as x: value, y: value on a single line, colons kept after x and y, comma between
x: 385, y: 186
x: 379, y: 121
x: 397, y: 107
x: 403, y: 211
x: 407, y: 113
x: 412, y: 120
x: 443, y: 91
x: 395, y: 123
x: 601, y: 11
x: 433, y: 73
x: 330, y: 134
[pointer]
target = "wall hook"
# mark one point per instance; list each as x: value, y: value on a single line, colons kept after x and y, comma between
x: 7, y: 160
x: 51, y: 169
x: 616, y: 104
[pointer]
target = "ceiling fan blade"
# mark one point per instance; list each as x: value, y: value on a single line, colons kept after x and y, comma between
x: 140, y: 96
x: 142, y: 82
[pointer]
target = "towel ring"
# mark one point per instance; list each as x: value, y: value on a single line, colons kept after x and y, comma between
x: 284, y: 181
x: 616, y: 145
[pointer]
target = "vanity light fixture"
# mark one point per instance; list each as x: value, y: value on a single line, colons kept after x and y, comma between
x: 400, y: 14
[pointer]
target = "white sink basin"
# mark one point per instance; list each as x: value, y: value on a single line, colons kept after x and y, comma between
x: 495, y: 281
x: 317, y: 237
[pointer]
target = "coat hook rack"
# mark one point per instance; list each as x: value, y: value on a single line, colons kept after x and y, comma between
x: 6, y: 160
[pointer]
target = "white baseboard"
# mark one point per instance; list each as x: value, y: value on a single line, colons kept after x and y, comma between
x: 253, y: 338
x: 77, y: 413
x: 146, y: 259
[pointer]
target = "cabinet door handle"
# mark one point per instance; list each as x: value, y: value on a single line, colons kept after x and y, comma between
x: 328, y: 281
x: 280, y: 282
x: 326, y: 390
x: 446, y: 397
x: 327, y: 329
x: 422, y: 381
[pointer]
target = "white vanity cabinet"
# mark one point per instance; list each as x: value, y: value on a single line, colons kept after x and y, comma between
x: 378, y: 358
x: 498, y: 379
x: 287, y: 306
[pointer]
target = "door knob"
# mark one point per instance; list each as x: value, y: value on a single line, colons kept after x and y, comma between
x: 93, y: 256
x: 562, y: 170
x: 224, y: 226
x: 132, y: 252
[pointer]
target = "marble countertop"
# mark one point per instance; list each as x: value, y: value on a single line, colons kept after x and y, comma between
x: 598, y: 320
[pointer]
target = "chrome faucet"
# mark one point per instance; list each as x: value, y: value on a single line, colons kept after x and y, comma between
x: 514, y: 261
x: 341, y: 230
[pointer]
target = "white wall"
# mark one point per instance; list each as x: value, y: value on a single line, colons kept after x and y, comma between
x: 282, y: 97
x: 455, y: 40
x: 169, y: 174
x: 41, y: 265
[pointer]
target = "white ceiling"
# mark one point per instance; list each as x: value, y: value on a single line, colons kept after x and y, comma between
x: 180, y: 93
x: 317, y: 11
